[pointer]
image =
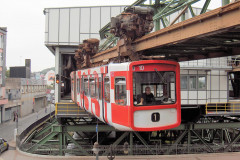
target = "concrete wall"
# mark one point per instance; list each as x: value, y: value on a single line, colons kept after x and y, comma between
x: 30, y: 103
x: 24, y: 93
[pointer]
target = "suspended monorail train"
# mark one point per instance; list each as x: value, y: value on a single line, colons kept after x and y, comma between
x: 117, y: 94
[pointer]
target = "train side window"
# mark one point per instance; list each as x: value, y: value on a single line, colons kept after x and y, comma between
x: 82, y: 85
x: 78, y: 87
x: 100, y: 88
x: 120, y: 91
x: 92, y: 86
x: 107, y: 89
x: 72, y: 84
x: 86, y: 87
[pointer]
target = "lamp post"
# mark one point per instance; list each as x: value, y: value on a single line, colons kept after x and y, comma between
x: 125, y: 148
x: 111, y: 156
x: 96, y: 149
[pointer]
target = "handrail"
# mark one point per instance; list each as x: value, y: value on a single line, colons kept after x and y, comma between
x: 223, y: 108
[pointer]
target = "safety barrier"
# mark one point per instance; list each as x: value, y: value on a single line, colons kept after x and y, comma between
x: 230, y: 108
x: 65, y: 109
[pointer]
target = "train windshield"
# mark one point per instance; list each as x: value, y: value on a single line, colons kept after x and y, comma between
x: 154, y: 88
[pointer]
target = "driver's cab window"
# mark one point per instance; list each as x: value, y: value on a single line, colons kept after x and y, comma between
x: 154, y: 88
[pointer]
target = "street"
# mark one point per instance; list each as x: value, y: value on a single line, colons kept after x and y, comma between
x: 7, y: 128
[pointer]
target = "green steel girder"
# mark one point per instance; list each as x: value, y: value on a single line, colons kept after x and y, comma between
x: 225, y: 2
x: 176, y: 8
x: 162, y: 10
x: 191, y: 10
x: 198, y: 126
x: 87, y: 128
x: 205, y: 6
x: 42, y: 141
x: 79, y: 146
x: 60, y: 138
x: 30, y: 136
x: 234, y: 141
x: 45, y: 129
x: 143, y: 141
x: 131, y: 143
x: 203, y: 141
x: 125, y: 134
x: 177, y: 141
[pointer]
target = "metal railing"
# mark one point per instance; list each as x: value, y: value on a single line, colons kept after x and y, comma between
x: 105, y: 150
x: 230, y: 108
x: 67, y: 109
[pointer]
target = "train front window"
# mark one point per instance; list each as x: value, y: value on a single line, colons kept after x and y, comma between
x: 154, y: 88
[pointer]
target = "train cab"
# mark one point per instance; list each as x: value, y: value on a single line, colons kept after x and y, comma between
x: 131, y: 96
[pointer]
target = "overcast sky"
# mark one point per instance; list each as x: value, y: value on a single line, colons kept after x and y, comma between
x: 25, y: 22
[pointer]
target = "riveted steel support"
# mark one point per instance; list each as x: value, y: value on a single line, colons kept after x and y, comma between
x: 205, y: 6
x: 42, y: 141
x: 125, y: 134
x: 45, y: 129
x: 230, y: 145
x: 177, y: 141
x: 203, y: 141
x: 60, y: 139
x: 131, y: 143
x: 79, y: 146
x: 143, y: 141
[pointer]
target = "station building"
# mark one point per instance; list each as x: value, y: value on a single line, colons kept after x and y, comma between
x: 202, y: 81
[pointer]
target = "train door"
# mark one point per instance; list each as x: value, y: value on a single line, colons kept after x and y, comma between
x: 78, y: 90
x: 78, y: 86
x: 86, y: 93
x: 100, y: 96
x: 106, y: 99
x: 73, y: 87
x: 93, y: 86
x: 81, y: 102
x: 120, y: 104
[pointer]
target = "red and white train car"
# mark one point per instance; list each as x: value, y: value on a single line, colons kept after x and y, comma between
x: 114, y: 94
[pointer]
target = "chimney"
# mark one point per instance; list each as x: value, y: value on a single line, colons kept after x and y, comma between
x: 28, y: 65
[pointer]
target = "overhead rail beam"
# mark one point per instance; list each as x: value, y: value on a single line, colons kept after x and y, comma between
x: 215, y: 22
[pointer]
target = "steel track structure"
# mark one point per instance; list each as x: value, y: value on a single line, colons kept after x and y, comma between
x: 207, y: 135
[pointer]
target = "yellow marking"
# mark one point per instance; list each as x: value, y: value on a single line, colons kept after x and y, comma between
x: 5, y: 144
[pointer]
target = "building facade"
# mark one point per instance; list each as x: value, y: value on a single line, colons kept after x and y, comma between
x: 3, y: 96
x: 50, y: 78
x: 24, y: 96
